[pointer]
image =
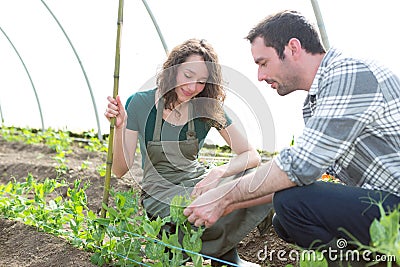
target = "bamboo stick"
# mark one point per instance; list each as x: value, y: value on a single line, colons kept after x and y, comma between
x: 112, y: 122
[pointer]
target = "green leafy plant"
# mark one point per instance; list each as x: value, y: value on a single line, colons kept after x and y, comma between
x: 101, y: 169
x: 126, y: 237
x: 384, y: 233
x: 62, y: 163
x: 94, y: 144
x: 136, y: 238
x: 385, y: 242
x: 85, y: 165
x: 14, y: 203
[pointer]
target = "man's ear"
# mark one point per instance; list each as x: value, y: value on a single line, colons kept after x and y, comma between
x: 294, y: 46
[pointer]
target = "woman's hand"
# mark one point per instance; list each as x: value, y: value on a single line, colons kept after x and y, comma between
x: 115, y: 109
x: 211, y: 181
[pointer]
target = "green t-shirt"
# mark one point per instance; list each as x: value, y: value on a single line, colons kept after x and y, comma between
x: 142, y: 115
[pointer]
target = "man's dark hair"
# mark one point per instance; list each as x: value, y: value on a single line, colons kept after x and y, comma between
x: 278, y: 29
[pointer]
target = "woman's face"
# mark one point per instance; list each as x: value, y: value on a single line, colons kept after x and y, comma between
x: 191, y: 78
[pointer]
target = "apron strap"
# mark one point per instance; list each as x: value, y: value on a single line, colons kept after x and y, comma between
x: 190, y: 134
x: 157, y: 126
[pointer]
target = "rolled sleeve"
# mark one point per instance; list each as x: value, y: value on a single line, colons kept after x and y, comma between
x: 300, y: 172
x: 284, y: 162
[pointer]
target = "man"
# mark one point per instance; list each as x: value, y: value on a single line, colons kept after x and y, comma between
x: 352, y: 130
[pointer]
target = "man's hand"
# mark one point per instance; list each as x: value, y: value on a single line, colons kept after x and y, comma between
x: 210, y: 206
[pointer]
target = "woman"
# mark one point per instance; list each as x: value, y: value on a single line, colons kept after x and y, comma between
x: 171, y: 123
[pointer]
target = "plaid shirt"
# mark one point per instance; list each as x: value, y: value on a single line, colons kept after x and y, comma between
x: 352, y: 126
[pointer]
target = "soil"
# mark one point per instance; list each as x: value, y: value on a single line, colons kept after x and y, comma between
x: 22, y: 245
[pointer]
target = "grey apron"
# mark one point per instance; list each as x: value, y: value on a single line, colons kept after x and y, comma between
x: 171, y: 168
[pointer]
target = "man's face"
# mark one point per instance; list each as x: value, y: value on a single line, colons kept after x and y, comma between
x: 279, y: 74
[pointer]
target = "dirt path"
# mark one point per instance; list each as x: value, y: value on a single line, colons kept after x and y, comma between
x: 21, y: 245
